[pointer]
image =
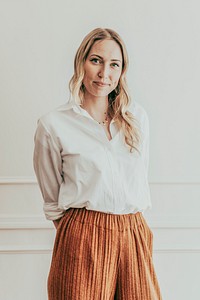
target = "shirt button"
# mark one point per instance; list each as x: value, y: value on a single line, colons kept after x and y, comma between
x: 109, y: 147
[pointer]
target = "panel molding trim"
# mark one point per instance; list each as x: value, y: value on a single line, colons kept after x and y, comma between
x: 24, y: 222
x: 174, y: 222
x: 17, y: 180
x: 32, y: 180
x: 42, y: 249
x: 39, y: 222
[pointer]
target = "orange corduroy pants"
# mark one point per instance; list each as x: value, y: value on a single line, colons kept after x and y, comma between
x: 99, y: 256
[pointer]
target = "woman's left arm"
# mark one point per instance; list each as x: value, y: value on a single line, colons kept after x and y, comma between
x: 145, y: 142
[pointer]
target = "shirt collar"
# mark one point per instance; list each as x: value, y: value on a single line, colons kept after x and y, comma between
x: 76, y: 108
x: 70, y: 105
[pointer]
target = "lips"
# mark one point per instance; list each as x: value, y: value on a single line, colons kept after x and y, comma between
x: 101, y: 84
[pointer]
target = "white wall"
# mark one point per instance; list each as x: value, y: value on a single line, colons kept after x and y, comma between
x: 38, y: 42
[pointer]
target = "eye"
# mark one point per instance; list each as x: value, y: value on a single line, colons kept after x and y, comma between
x: 96, y: 61
x: 116, y: 65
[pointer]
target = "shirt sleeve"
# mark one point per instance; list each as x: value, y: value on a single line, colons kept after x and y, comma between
x: 145, y: 144
x: 47, y: 164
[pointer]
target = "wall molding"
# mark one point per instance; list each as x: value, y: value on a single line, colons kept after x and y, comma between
x: 26, y: 222
x: 16, y: 249
x: 9, y: 180
x: 180, y: 251
x: 17, y: 180
x: 40, y: 249
x: 39, y: 222
x: 174, y: 222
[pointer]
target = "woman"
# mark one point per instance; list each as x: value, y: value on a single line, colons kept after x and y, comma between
x: 91, y: 162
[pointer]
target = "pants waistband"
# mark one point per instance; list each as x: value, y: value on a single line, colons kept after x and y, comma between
x: 105, y: 220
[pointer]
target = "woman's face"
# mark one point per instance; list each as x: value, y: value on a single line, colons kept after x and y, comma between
x: 103, y: 68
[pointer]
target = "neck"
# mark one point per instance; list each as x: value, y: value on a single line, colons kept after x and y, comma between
x: 96, y: 106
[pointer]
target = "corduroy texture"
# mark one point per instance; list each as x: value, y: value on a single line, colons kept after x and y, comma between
x: 99, y: 256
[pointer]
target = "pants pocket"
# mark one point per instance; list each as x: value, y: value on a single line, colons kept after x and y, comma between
x: 148, y: 234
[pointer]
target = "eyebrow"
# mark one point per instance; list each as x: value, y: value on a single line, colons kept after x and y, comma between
x: 102, y: 57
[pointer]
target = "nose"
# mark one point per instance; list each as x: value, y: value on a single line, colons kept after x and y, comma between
x: 104, y: 72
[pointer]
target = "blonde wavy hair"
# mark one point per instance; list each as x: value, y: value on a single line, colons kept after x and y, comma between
x: 119, y: 99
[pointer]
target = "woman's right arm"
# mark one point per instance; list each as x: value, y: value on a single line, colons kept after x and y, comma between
x: 56, y: 222
x: 47, y: 164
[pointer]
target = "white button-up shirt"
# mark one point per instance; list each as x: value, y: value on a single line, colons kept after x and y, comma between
x: 77, y: 166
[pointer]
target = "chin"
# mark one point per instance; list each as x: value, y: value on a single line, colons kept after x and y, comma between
x: 103, y: 93
x: 100, y: 94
